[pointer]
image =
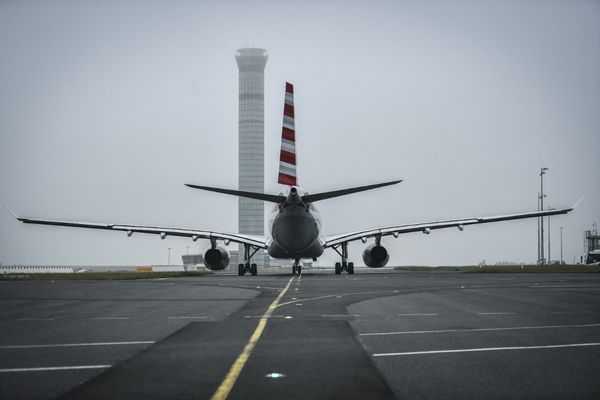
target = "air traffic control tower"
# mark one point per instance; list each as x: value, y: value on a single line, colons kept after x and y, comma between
x: 251, y: 161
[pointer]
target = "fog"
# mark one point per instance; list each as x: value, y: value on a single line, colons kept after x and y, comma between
x: 108, y: 108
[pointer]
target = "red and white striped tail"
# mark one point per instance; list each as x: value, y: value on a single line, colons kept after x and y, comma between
x: 287, y: 158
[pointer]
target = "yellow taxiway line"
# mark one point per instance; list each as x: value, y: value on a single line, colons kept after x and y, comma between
x: 237, y: 367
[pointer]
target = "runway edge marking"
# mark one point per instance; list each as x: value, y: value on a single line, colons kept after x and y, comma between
x: 236, y: 368
x: 508, y: 328
x: 552, y: 346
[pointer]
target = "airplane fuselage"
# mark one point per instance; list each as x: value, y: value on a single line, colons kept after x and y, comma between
x: 295, y: 229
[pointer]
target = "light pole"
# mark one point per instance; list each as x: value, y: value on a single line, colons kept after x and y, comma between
x: 542, y: 173
x: 539, y: 254
x: 169, y: 259
x: 561, y: 253
x: 549, y: 257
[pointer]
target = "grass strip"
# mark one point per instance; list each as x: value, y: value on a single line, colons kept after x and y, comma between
x: 95, y: 276
x: 578, y: 268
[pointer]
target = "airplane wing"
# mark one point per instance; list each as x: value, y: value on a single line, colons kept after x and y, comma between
x: 427, y: 227
x: 195, y: 234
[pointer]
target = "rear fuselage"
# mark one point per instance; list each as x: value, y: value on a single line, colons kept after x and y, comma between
x: 295, y: 229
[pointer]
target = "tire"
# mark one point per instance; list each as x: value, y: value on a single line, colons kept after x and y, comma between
x: 350, y: 268
x: 293, y: 269
x: 240, y: 269
x: 338, y: 268
x: 299, y: 269
x: 253, y: 270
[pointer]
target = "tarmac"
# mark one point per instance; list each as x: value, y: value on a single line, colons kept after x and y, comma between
x: 378, y: 334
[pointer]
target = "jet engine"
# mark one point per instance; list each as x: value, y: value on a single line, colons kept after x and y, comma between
x: 375, y: 256
x: 216, y: 258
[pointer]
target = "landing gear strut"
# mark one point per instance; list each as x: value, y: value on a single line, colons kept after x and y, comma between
x: 344, y: 265
x: 297, y: 268
x: 247, y: 266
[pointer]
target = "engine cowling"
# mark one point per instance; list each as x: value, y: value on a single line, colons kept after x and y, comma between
x: 216, y: 259
x: 375, y: 256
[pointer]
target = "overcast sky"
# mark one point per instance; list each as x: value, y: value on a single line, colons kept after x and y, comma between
x: 108, y: 108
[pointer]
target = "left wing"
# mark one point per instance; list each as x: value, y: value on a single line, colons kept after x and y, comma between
x: 427, y: 227
x: 195, y: 234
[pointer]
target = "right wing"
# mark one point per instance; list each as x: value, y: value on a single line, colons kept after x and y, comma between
x: 195, y: 234
x: 427, y: 227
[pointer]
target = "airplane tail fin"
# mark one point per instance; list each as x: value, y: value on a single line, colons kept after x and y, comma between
x: 287, y: 156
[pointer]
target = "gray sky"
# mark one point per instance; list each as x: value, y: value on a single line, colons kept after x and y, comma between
x: 107, y: 108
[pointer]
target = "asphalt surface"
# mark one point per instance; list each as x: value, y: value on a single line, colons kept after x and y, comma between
x: 376, y: 335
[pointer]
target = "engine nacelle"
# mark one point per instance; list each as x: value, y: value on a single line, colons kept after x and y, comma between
x: 216, y: 259
x: 375, y: 256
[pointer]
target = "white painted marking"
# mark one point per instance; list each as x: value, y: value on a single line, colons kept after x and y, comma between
x: 109, y: 318
x: 186, y: 317
x: 496, y: 313
x: 417, y: 315
x: 35, y: 319
x: 564, y: 287
x: 54, y: 368
x: 340, y: 315
x: 571, y: 312
x: 328, y: 297
x: 35, y: 346
x: 556, y: 346
x: 513, y: 328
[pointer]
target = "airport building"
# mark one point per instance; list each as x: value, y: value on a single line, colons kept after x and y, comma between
x: 251, y: 162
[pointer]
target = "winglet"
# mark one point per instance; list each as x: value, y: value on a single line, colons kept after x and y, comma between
x: 579, y: 201
x: 10, y: 211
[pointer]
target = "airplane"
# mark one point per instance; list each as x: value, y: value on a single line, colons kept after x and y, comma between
x: 295, y: 229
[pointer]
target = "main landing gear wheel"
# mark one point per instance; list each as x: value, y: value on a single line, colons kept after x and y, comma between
x: 299, y: 269
x: 294, y: 269
x: 344, y: 265
x: 249, y: 251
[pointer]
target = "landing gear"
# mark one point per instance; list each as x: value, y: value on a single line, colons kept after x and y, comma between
x: 344, y: 265
x: 296, y: 268
x: 247, y: 267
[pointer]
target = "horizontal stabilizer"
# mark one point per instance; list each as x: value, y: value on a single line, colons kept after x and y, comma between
x: 309, y: 198
x: 251, y: 195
